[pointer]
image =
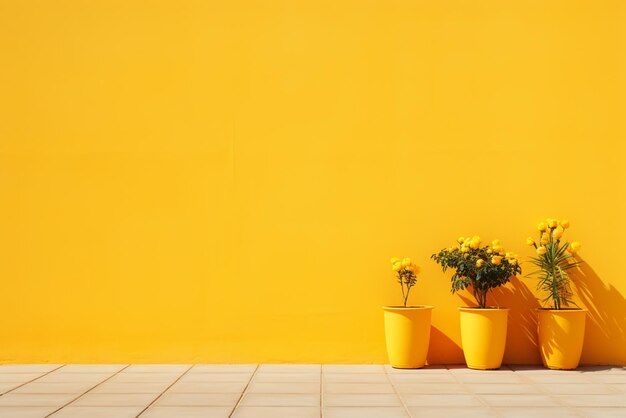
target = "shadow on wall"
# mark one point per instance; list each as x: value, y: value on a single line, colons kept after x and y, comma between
x: 521, y: 339
x: 605, y: 330
x: 442, y: 349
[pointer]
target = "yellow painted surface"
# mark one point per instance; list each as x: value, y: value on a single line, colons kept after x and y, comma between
x: 225, y: 181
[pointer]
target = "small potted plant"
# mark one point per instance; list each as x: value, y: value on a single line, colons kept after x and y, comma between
x: 561, y: 325
x: 407, y: 328
x: 483, y: 328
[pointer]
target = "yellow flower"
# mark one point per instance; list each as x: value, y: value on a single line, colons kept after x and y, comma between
x: 406, y: 262
x: 496, y: 248
x: 396, y: 266
x: 409, y: 267
x: 552, y: 223
x: 394, y: 260
x: 417, y: 269
x: 558, y: 233
x: 480, y: 262
x: 541, y: 250
x: 464, y: 248
x: 460, y: 240
x: 545, y: 238
x: 530, y: 241
x: 564, y: 223
x: 496, y: 260
x: 573, y: 247
x: 542, y: 226
x: 513, y: 261
x: 489, y: 250
x: 475, y: 243
x: 495, y: 242
x: 509, y: 255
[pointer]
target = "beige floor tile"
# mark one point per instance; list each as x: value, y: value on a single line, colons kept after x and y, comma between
x: 290, y: 368
x: 208, y: 387
x: 357, y: 399
x: 430, y: 388
x: 425, y: 369
x: 216, y: 377
x: 98, y: 412
x: 115, y: 399
x: 92, y: 368
x: 144, y: 377
x: 28, y: 368
x: 452, y: 412
x: 500, y: 388
x: 278, y: 412
x: 256, y: 387
x: 441, y: 400
x: 187, y: 412
x: 356, y: 378
x: 157, y: 368
x: 489, y: 378
x: 353, y: 368
x: 223, y: 368
x: 357, y: 388
x: 602, y: 412
x: 36, y: 399
x: 508, y: 400
x: 135, y: 387
x: 365, y: 412
x: 537, y: 412
x: 577, y: 388
x: 26, y: 411
x: 287, y: 377
x: 52, y: 388
x: 264, y: 399
x: 606, y: 378
x: 422, y: 378
x: 198, y: 399
x: 59, y: 377
x: 5, y: 387
x: 18, y: 377
x: 558, y: 377
x: 620, y: 387
x: 617, y: 400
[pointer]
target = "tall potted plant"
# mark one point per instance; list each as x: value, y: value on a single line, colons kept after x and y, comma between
x: 407, y: 328
x: 480, y: 268
x: 561, y: 324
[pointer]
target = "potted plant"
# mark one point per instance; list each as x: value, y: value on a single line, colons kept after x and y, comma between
x: 407, y: 328
x: 483, y: 328
x: 561, y: 325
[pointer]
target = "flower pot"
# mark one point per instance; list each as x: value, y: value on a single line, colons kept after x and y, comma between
x: 561, y: 334
x: 407, y: 333
x: 483, y: 336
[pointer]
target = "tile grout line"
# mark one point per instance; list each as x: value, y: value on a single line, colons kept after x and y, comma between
x: 395, y: 390
x: 32, y: 380
x: 541, y: 391
x: 470, y: 392
x: 165, y: 390
x: 88, y: 390
x: 256, y: 369
x: 321, y: 391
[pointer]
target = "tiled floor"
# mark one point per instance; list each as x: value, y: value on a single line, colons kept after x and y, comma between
x: 303, y: 391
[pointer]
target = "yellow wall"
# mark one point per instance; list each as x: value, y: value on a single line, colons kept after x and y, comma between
x: 225, y: 181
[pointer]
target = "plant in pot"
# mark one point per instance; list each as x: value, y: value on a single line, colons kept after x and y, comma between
x: 480, y: 268
x: 407, y: 328
x: 561, y: 324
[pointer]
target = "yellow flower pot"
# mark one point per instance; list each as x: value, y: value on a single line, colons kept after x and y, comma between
x: 483, y: 336
x: 561, y: 334
x: 407, y: 333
